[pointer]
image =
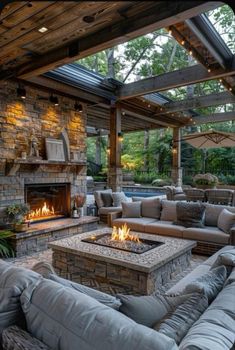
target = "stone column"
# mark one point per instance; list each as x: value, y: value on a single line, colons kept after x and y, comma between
x: 176, y: 172
x: 115, y: 170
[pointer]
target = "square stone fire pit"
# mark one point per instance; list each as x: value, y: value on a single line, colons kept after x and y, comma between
x: 78, y: 259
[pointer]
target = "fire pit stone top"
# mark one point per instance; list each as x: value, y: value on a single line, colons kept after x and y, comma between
x: 146, y: 262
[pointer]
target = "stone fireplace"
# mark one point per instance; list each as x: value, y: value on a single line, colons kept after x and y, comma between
x: 48, y: 201
x: 48, y: 185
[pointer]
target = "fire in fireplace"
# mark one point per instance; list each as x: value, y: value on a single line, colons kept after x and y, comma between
x: 121, y: 239
x: 47, y: 201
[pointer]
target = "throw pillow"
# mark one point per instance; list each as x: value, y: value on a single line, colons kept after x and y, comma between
x: 149, y: 309
x: 103, y: 298
x: 150, y: 207
x: 168, y: 212
x: 180, y: 321
x: 107, y: 199
x: 225, y: 258
x: 210, y: 283
x: 131, y: 210
x: 178, y: 190
x: 226, y: 221
x: 118, y: 198
x: 98, y: 199
x: 189, y: 214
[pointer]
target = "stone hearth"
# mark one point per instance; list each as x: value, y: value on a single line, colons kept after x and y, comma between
x: 40, y: 234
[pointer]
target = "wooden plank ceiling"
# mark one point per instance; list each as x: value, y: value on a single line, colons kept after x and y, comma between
x: 76, y: 29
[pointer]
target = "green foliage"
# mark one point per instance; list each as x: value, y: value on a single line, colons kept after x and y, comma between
x: 16, y: 212
x: 5, y: 247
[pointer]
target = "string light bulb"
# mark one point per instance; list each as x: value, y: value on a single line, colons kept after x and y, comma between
x: 190, y: 52
x: 183, y: 42
x: 120, y: 136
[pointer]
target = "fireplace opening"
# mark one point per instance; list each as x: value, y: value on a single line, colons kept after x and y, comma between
x: 47, y: 201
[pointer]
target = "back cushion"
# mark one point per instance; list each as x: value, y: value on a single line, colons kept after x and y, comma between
x: 213, y: 211
x: 67, y: 320
x: 13, y: 280
x: 98, y: 199
x: 168, y: 210
x: 150, y: 207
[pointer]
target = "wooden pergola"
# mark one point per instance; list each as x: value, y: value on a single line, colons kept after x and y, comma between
x: 40, y: 40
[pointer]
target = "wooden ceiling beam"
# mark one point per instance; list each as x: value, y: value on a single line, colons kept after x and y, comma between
x: 183, y: 77
x: 213, y: 118
x: 198, y: 102
x: 158, y: 15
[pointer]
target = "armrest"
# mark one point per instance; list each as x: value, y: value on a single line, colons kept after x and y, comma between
x: 112, y: 216
x: 232, y: 236
x: 16, y: 338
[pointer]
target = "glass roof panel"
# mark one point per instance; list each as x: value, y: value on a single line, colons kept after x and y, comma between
x: 223, y: 20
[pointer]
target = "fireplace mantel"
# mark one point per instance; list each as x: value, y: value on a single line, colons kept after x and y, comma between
x: 13, y: 166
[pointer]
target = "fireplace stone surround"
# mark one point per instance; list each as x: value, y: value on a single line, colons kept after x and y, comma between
x: 36, y: 117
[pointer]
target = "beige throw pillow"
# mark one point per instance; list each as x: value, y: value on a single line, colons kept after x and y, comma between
x: 118, y: 198
x: 226, y: 221
x: 131, y: 210
x: 168, y: 210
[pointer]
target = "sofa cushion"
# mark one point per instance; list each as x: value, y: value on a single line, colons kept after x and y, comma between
x: 136, y: 224
x: 225, y: 258
x: 190, y: 214
x: 98, y: 199
x: 118, y: 198
x: 215, y: 329
x: 192, y: 276
x: 103, y: 298
x: 13, y: 280
x: 168, y: 210
x: 106, y: 210
x: 179, y: 322
x: 149, y: 309
x: 212, y: 213
x: 226, y: 220
x: 107, y: 199
x: 165, y: 228
x: 210, y: 283
x: 65, y: 319
x: 131, y: 210
x: 208, y: 234
x: 150, y: 207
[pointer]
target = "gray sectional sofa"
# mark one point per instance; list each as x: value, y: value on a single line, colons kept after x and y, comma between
x: 157, y: 217
x: 61, y: 315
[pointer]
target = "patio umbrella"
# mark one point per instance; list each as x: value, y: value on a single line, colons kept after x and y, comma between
x: 211, y: 139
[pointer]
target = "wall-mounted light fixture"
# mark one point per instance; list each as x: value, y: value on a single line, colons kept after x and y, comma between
x: 108, y: 150
x: 78, y: 107
x: 54, y: 100
x: 174, y: 150
x: 21, y: 92
x: 120, y: 136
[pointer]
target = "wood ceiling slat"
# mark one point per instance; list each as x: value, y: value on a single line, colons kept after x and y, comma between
x: 71, y: 25
x: 11, y: 8
x: 17, y: 37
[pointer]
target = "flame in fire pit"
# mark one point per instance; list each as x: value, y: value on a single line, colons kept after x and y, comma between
x: 42, y: 212
x: 123, y: 234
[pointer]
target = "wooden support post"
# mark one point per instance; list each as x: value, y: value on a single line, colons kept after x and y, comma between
x: 176, y: 173
x: 115, y: 171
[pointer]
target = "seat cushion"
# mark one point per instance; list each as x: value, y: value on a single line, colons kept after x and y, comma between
x: 168, y: 212
x: 207, y: 234
x: 215, y: 329
x: 136, y: 224
x: 65, y: 319
x: 165, y: 228
x: 106, y: 210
